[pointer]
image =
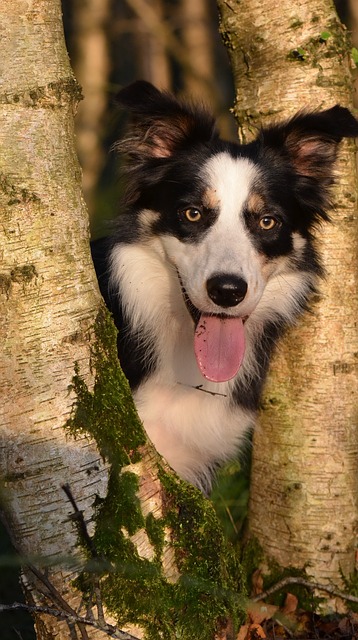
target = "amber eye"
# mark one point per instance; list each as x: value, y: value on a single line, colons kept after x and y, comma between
x: 192, y: 214
x: 267, y: 223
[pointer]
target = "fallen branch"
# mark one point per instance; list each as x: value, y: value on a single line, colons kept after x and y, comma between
x: 304, y: 583
x: 106, y: 628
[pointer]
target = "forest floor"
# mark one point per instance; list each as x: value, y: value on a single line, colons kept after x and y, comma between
x: 269, y: 622
x: 281, y: 617
x: 310, y: 628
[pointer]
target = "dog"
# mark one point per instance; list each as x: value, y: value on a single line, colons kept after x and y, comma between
x: 211, y: 257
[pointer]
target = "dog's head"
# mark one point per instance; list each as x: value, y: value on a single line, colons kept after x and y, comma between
x: 234, y: 220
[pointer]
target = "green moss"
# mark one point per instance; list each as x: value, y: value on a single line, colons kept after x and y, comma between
x: 108, y: 413
x: 306, y: 598
x: 134, y: 589
x: 300, y: 53
x: 331, y: 42
x: 253, y: 558
x: 351, y: 585
x: 155, y: 530
x: 212, y: 582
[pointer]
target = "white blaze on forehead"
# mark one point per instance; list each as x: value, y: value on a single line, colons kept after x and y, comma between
x: 230, y: 181
x: 227, y: 246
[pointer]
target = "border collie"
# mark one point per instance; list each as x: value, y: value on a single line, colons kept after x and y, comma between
x: 211, y: 258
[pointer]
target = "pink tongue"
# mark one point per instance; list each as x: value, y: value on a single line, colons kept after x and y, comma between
x: 219, y: 346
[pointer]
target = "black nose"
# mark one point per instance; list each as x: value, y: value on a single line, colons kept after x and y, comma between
x: 226, y: 290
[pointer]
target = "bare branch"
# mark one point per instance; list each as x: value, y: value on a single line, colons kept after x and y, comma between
x: 56, y: 597
x: 71, y: 619
x: 82, y: 527
x: 77, y: 517
x: 304, y: 583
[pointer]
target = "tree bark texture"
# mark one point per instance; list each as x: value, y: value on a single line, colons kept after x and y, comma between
x: 46, y: 315
x: 67, y: 416
x: 303, y: 510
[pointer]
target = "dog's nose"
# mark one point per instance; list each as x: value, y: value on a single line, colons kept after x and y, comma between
x: 226, y: 290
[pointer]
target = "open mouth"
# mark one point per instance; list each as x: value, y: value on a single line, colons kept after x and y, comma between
x: 219, y: 342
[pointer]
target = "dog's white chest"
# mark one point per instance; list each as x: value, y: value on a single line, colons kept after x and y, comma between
x: 194, y: 430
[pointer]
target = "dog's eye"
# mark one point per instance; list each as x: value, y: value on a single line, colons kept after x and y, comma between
x: 192, y: 214
x: 267, y: 223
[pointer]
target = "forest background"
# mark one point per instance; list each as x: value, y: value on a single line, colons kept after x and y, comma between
x: 175, y: 44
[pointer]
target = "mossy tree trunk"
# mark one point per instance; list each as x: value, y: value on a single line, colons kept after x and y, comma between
x: 287, y: 56
x: 67, y: 415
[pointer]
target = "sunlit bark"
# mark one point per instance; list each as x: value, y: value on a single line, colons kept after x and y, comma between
x: 287, y: 56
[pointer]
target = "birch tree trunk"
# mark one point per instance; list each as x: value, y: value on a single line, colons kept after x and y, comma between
x: 45, y: 314
x: 160, y: 565
x: 303, y: 509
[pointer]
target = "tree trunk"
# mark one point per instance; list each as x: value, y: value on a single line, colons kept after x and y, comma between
x: 92, y: 69
x: 160, y: 565
x: 154, y: 63
x: 303, y: 509
x: 197, y: 38
x: 46, y: 314
x: 151, y: 44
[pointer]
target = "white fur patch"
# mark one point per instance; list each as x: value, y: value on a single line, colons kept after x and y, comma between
x: 190, y: 428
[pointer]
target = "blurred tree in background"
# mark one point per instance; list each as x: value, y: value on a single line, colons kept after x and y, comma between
x: 174, y: 44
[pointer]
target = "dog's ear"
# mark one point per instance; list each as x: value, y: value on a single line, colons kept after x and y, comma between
x: 162, y: 125
x: 309, y: 141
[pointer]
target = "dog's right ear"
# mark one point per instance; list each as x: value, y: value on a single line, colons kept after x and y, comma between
x: 162, y: 125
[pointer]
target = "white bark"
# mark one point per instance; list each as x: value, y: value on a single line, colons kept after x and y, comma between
x: 305, y: 464
x: 46, y: 311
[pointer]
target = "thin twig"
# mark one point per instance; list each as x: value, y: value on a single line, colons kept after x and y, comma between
x: 56, y: 597
x: 109, y: 629
x: 304, y: 583
x: 79, y: 518
x: 199, y: 387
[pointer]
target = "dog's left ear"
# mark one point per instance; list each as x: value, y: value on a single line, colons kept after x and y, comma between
x: 309, y: 141
x: 161, y: 125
